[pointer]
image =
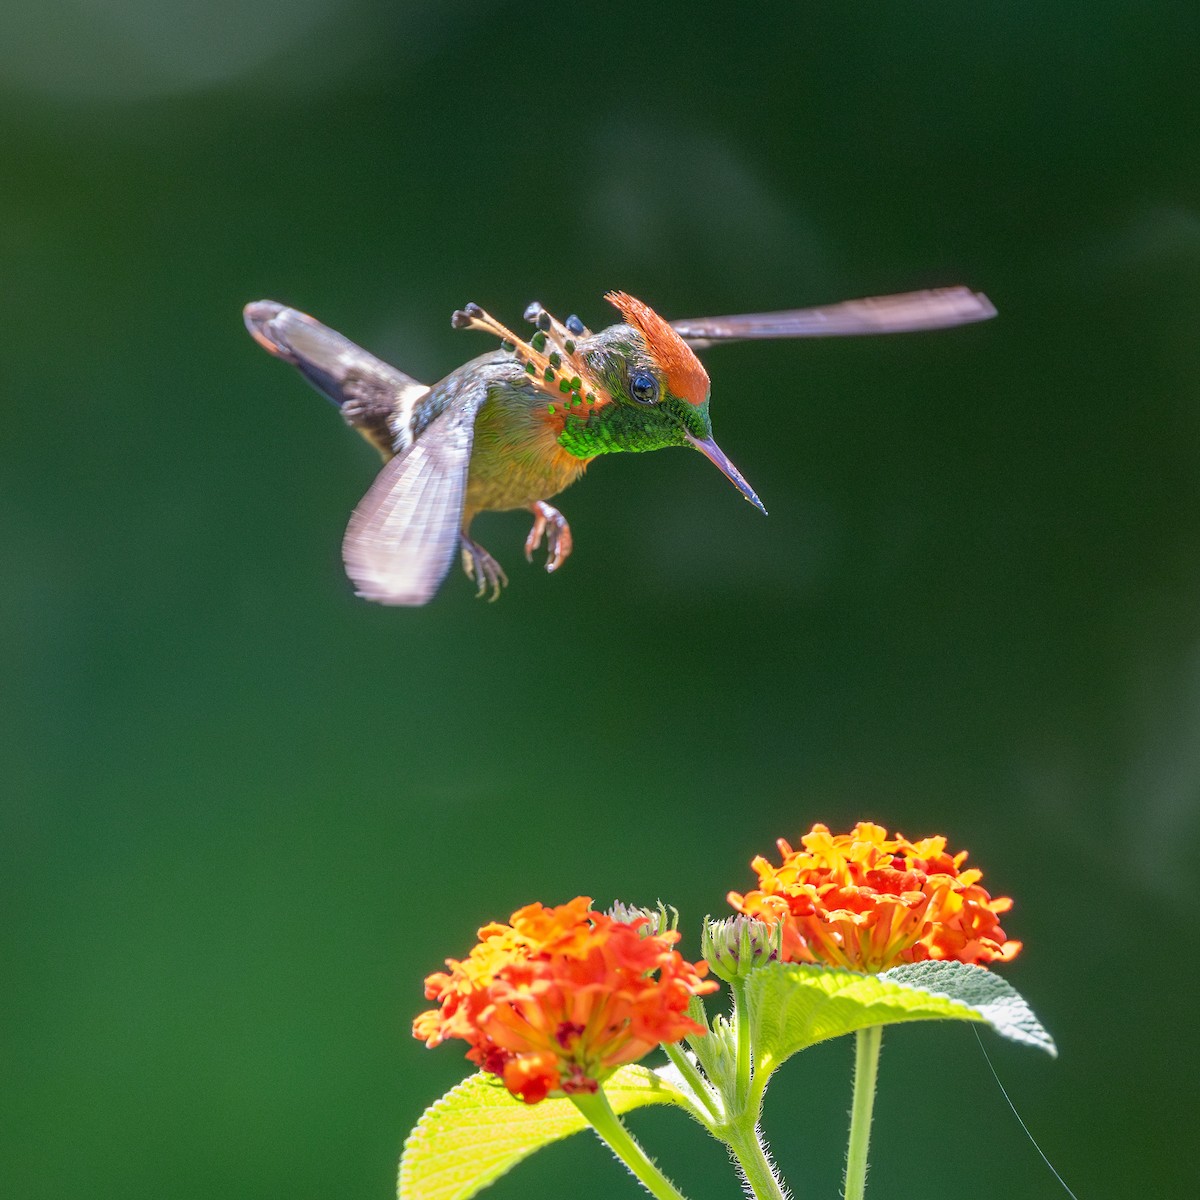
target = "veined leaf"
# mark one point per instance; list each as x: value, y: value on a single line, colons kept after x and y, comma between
x: 995, y: 999
x: 794, y: 1005
x: 477, y: 1131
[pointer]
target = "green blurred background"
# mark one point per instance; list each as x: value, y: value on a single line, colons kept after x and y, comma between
x: 244, y: 813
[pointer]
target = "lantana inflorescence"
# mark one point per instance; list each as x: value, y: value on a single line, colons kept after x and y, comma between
x: 866, y: 902
x: 558, y: 999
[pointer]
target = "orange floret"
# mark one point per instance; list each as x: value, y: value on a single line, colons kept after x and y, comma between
x: 866, y: 902
x: 557, y: 1000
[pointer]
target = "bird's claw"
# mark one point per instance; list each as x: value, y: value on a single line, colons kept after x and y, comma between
x: 550, y: 524
x: 482, y: 569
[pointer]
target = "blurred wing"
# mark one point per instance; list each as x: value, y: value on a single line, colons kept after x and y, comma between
x: 936, y: 309
x: 375, y: 397
x: 403, y: 535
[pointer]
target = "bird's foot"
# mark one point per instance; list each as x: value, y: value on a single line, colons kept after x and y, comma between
x: 550, y: 524
x: 482, y: 568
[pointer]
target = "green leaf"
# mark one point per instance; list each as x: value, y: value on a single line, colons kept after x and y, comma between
x: 794, y: 1005
x: 477, y: 1131
x: 995, y: 1000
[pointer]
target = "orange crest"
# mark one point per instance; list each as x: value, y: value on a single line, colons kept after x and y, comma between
x: 686, y: 377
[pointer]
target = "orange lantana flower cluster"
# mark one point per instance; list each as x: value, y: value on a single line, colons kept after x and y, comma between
x: 866, y: 902
x: 561, y: 997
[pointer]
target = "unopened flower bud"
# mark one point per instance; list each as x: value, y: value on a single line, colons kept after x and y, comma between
x: 663, y: 919
x: 734, y: 947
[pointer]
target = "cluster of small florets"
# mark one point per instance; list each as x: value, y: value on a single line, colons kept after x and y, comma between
x: 558, y: 998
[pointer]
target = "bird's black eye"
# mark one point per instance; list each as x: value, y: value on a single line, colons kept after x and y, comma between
x: 643, y: 387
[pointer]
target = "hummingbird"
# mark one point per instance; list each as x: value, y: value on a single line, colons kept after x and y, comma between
x: 514, y: 427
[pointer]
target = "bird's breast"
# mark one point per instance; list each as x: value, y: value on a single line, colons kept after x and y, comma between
x: 516, y: 458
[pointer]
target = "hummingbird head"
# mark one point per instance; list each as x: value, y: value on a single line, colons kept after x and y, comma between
x: 656, y: 389
x: 632, y: 387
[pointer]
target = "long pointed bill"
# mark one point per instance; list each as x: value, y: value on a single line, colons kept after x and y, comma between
x: 716, y: 456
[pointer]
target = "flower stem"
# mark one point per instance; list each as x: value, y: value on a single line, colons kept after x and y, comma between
x: 752, y: 1159
x: 687, y: 1070
x: 866, y: 1067
x: 741, y: 1012
x: 598, y: 1113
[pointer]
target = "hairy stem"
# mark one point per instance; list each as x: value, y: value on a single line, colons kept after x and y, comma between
x: 751, y: 1154
x: 866, y: 1067
x: 741, y: 1012
x: 691, y: 1074
x: 598, y: 1113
